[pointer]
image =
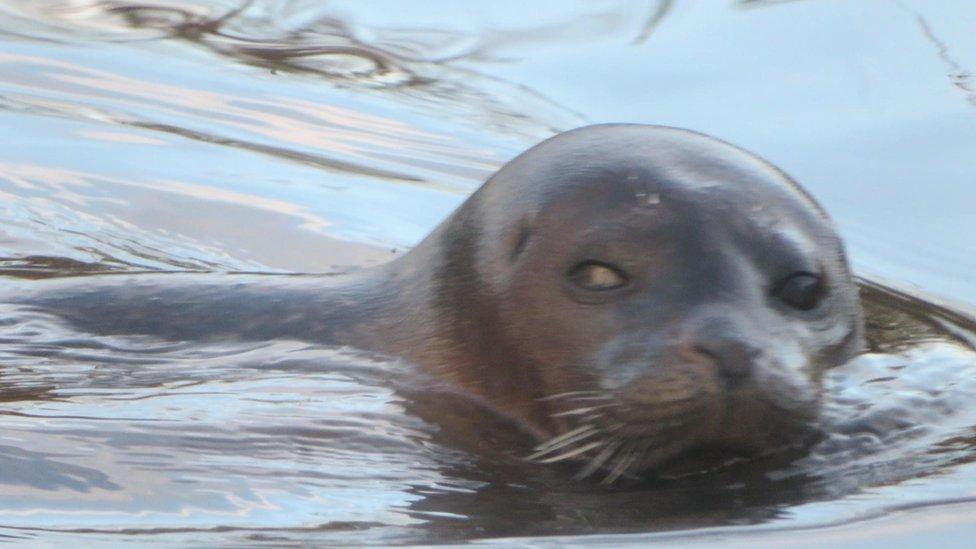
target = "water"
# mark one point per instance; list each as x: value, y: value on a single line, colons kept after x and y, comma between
x: 298, y: 136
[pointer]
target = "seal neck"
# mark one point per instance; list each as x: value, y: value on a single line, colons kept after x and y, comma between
x: 438, y: 318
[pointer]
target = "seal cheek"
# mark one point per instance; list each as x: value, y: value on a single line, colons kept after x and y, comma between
x: 839, y: 342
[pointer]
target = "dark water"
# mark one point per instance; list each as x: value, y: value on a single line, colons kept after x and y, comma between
x: 303, y: 136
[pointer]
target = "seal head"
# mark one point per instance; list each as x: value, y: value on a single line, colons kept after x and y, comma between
x: 631, y: 292
x: 624, y: 292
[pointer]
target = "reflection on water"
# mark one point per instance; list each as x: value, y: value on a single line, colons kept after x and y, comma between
x: 419, y: 64
x: 215, y: 135
x: 961, y: 78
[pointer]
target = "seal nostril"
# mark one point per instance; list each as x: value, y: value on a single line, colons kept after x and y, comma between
x: 734, y: 361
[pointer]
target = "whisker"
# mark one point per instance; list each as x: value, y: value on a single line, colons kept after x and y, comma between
x: 572, y: 453
x: 581, y: 411
x: 566, y: 438
x: 622, y: 464
x: 592, y: 397
x: 641, y: 453
x: 568, y: 394
x: 567, y: 434
x: 563, y: 445
x: 611, y: 448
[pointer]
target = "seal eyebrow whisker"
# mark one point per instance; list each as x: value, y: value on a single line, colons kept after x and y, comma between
x: 572, y: 453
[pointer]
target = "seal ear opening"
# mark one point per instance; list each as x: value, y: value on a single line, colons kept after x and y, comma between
x: 521, y: 241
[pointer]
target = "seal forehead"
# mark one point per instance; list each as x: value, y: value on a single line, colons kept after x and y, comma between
x: 648, y: 163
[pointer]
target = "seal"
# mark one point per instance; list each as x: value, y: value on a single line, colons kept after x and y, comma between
x: 625, y: 292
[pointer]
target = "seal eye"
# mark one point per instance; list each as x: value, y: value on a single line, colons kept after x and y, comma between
x: 801, y: 291
x: 591, y: 275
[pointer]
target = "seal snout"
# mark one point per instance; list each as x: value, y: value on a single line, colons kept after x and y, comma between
x: 726, y: 346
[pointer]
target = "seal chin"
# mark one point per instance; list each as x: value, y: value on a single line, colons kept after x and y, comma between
x: 732, y: 423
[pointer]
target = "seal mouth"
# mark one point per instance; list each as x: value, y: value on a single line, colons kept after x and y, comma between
x: 623, y: 447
